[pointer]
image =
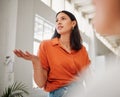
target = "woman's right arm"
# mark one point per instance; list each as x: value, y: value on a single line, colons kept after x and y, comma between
x: 40, y: 74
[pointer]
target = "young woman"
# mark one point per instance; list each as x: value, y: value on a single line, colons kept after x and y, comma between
x: 59, y: 59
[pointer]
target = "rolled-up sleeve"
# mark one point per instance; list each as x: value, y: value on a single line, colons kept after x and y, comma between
x: 43, y: 56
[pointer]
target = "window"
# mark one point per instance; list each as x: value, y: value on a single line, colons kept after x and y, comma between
x: 42, y: 30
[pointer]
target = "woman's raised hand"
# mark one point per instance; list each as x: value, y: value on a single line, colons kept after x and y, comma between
x: 25, y: 55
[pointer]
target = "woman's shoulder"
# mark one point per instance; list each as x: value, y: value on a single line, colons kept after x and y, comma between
x: 83, y: 48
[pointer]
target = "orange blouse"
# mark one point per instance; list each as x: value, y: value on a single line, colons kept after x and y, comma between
x: 62, y: 66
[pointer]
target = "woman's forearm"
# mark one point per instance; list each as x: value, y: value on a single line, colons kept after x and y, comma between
x: 40, y: 74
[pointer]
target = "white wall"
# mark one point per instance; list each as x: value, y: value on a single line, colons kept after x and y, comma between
x: 8, y: 15
x: 16, y: 31
x: 58, y: 5
x: 24, y: 40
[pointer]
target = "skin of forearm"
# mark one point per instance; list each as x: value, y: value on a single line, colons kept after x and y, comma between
x: 39, y: 78
x: 40, y: 74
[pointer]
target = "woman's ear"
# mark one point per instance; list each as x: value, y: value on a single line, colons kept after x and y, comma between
x: 73, y: 23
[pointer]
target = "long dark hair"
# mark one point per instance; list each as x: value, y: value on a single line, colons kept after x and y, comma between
x: 75, y: 37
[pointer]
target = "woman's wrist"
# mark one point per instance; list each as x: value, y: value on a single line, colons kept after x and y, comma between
x: 37, y: 68
x: 36, y: 63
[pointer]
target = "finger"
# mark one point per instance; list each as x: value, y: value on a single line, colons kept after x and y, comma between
x: 15, y: 50
x: 17, y: 53
x: 26, y: 55
x: 29, y: 54
x: 22, y: 53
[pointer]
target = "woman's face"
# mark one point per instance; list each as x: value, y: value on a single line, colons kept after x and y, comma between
x: 107, y: 16
x: 64, y: 24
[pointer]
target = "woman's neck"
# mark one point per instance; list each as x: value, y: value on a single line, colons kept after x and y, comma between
x: 65, y: 40
x: 65, y: 43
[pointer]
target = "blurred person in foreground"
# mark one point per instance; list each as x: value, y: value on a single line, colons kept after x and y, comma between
x: 107, y: 17
x: 107, y: 23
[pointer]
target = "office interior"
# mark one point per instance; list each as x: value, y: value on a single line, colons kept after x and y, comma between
x: 25, y: 23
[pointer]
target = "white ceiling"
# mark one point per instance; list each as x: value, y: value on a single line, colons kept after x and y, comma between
x: 85, y: 7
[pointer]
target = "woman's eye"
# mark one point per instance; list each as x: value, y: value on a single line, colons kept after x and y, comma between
x: 63, y: 18
x: 56, y: 20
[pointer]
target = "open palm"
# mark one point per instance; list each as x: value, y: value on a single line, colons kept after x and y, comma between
x: 25, y: 55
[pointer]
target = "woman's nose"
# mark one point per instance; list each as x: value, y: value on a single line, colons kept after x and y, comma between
x: 59, y: 22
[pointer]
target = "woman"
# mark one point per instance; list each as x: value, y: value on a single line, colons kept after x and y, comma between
x: 60, y: 59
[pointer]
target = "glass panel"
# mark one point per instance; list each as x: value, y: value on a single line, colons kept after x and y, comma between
x: 48, y: 31
x: 36, y: 46
x: 38, y: 29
